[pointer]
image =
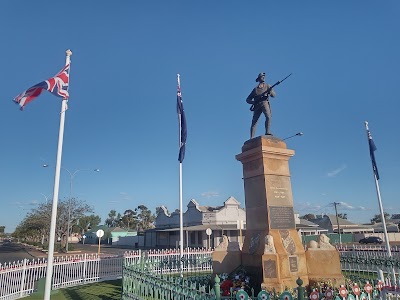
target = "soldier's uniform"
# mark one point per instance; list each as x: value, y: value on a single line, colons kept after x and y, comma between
x: 261, y: 104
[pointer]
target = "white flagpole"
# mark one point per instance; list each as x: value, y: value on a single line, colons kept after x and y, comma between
x: 50, y: 258
x: 180, y: 190
x: 378, y: 193
x: 380, y: 203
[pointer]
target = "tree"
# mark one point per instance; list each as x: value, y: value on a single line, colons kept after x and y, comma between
x: 129, y: 219
x: 308, y: 217
x: 342, y: 216
x: 145, y: 219
x: 68, y: 213
x: 87, y: 222
x: 35, y: 227
x: 112, y: 218
x: 378, y: 218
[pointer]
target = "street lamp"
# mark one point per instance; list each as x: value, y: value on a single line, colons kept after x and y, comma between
x: 46, y: 197
x: 297, y: 134
x: 72, y: 175
x: 47, y: 201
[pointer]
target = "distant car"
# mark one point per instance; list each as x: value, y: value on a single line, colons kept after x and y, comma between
x: 371, y: 240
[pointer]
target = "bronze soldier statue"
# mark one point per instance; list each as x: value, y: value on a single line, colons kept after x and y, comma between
x: 259, y: 99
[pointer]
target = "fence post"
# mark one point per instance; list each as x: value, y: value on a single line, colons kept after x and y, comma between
x: 217, y: 288
x: 84, y: 268
x: 21, y: 290
x: 300, y: 289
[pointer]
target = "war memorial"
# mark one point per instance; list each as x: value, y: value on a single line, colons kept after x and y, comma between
x: 272, y: 251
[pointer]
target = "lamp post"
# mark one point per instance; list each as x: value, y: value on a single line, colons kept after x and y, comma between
x: 47, y: 198
x: 337, y: 221
x: 47, y: 201
x: 297, y: 134
x: 72, y: 175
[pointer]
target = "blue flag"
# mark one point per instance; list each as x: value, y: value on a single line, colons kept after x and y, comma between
x: 372, y: 149
x: 182, y: 123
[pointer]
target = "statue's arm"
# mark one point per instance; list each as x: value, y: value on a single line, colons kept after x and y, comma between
x: 250, y: 98
x: 272, y: 92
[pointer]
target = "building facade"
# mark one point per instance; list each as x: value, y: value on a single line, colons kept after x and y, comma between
x: 228, y: 219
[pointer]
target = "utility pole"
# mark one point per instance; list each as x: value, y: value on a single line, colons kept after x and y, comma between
x: 337, y: 221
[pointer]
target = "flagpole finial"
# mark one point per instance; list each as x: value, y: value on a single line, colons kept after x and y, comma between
x: 68, y: 52
x: 366, y: 124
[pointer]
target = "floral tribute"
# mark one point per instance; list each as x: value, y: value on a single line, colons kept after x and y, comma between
x: 232, y: 283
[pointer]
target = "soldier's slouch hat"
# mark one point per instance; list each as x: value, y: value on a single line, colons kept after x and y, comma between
x: 259, y: 76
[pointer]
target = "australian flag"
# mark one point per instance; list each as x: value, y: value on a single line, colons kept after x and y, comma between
x: 372, y: 149
x: 57, y: 85
x: 182, y: 123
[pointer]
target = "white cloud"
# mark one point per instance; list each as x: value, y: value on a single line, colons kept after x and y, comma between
x: 336, y: 171
x: 347, y: 206
x: 210, y: 194
x: 309, y: 207
x: 125, y: 196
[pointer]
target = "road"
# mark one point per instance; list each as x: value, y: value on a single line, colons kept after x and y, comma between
x: 10, y: 252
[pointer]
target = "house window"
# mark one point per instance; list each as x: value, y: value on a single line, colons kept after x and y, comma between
x: 192, y: 238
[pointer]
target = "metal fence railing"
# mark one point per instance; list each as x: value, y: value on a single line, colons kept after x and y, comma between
x: 18, y: 279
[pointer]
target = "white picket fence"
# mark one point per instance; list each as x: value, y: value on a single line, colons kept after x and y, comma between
x: 376, y: 249
x: 18, y: 279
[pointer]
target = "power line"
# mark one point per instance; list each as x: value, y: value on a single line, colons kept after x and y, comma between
x: 337, y: 221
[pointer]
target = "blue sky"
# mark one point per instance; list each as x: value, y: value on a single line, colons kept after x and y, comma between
x: 122, y: 119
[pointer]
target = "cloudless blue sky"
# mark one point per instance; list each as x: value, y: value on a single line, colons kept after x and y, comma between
x: 122, y: 119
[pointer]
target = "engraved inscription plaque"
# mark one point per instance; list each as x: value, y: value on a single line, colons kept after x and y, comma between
x: 293, y: 266
x: 279, y: 190
x: 281, y: 217
x: 270, y: 269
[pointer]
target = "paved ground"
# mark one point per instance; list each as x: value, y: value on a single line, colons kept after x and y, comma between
x: 10, y: 252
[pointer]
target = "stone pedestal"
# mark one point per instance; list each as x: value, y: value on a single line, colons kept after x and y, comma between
x: 225, y: 261
x: 324, y: 265
x: 269, y: 210
x: 226, y: 257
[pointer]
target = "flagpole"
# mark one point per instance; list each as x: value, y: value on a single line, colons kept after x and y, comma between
x: 180, y: 189
x: 378, y: 193
x: 50, y: 255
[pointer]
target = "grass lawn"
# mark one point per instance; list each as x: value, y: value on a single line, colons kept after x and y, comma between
x: 106, y: 290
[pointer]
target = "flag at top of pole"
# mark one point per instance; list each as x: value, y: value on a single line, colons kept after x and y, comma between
x: 182, y: 122
x: 57, y: 85
x: 372, y: 149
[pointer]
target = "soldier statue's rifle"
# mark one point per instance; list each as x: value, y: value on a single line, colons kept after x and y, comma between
x: 264, y: 96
